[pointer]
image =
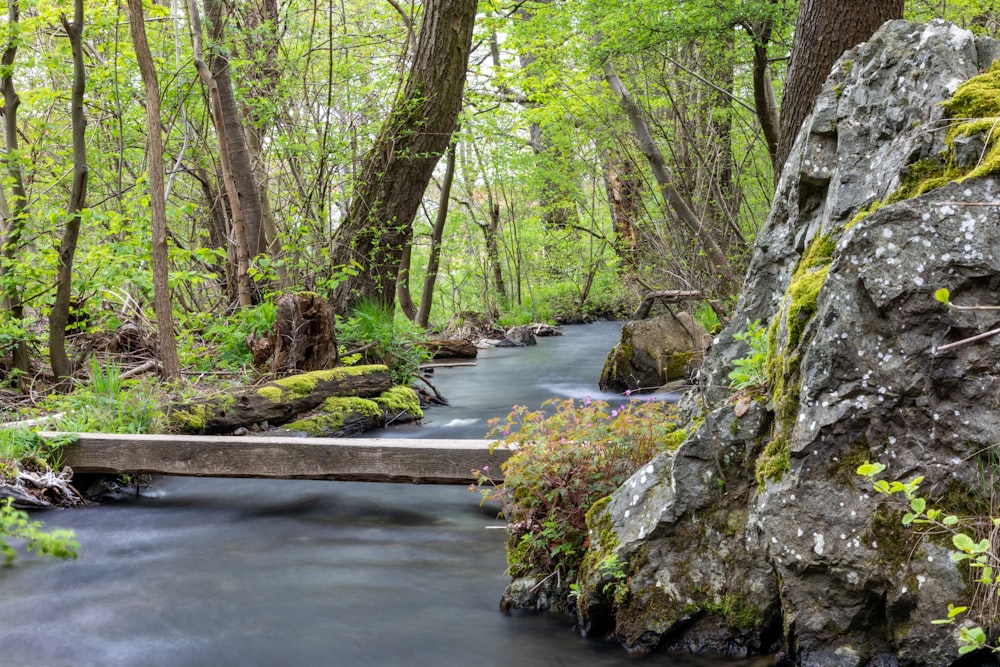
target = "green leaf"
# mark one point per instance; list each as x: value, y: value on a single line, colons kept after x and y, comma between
x: 950, y: 520
x: 943, y: 295
x: 882, y: 486
x: 870, y: 469
x: 954, y: 611
x: 918, y: 505
x: 963, y: 542
x: 908, y: 518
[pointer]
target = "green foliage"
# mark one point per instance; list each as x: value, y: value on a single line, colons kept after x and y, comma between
x: 390, y: 339
x: 223, y: 343
x: 706, y: 316
x: 977, y: 552
x: 750, y: 372
x: 563, y: 462
x: 109, y: 404
x: 16, y: 525
x: 22, y: 447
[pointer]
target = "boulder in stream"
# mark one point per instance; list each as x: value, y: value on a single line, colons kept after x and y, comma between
x: 653, y: 352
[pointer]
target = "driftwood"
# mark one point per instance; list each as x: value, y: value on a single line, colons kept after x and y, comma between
x: 279, y: 401
x: 665, y: 296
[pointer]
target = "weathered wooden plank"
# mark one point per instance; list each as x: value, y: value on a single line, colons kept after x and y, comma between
x: 415, y: 461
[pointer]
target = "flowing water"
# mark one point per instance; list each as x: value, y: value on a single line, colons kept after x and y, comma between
x: 220, y: 572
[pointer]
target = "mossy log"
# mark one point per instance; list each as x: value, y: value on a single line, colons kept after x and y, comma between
x: 451, y: 348
x: 279, y: 401
x: 346, y: 416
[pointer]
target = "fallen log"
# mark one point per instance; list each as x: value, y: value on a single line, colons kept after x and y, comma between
x: 279, y: 401
x: 664, y: 296
x: 451, y: 348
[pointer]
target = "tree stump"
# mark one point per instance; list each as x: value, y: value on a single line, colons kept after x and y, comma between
x: 304, y: 338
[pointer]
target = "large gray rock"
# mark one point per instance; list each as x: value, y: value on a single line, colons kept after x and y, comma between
x: 653, y: 352
x: 757, y: 532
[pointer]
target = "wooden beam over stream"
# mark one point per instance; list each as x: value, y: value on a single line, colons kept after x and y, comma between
x: 416, y: 461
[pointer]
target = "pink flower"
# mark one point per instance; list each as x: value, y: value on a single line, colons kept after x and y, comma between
x: 628, y: 392
x: 586, y: 400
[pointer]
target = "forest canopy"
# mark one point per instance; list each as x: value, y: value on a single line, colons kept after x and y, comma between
x: 597, y: 150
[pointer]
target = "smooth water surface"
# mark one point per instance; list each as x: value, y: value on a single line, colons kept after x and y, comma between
x: 270, y: 572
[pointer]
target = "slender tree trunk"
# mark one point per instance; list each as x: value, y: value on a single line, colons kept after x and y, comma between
x: 623, y: 188
x: 823, y: 31
x: 397, y: 169
x: 437, y: 234
x: 241, y: 164
x: 14, y: 227
x: 59, y: 317
x: 763, y: 89
x: 157, y: 195
x: 665, y: 180
x: 232, y: 192
x: 403, y: 283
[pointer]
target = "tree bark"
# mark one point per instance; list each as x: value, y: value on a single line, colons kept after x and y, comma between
x: 14, y: 226
x: 229, y: 181
x: 763, y: 90
x: 437, y: 234
x: 239, y: 155
x: 397, y: 169
x: 62, y: 367
x: 162, y: 303
x: 717, y: 259
x: 823, y: 31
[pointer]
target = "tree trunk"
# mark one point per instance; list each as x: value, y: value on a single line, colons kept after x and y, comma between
x: 397, y: 169
x: 763, y: 90
x: 823, y: 31
x: 239, y: 155
x: 717, y: 260
x: 403, y: 283
x: 232, y: 191
x: 14, y: 228
x: 59, y: 316
x: 437, y: 234
x: 623, y: 187
x: 157, y: 195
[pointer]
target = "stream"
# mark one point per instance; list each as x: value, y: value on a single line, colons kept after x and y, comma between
x: 247, y: 572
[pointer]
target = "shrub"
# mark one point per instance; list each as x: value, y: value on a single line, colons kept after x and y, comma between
x: 15, y: 524
x: 750, y: 372
x: 392, y: 340
x: 564, y: 461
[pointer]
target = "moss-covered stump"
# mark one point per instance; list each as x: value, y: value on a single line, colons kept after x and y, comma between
x: 344, y: 416
x: 280, y: 401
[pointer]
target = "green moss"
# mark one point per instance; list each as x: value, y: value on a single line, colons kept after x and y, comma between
x: 844, y: 468
x: 776, y: 460
x: 194, y: 418
x: 334, y: 412
x: 975, y: 109
x: 734, y: 609
x: 401, y: 399
x: 783, y: 356
x: 272, y: 394
x: 303, y: 384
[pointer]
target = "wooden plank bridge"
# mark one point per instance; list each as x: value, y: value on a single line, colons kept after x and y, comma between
x: 415, y: 461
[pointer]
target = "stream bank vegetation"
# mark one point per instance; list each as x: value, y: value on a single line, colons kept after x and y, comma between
x: 566, y: 457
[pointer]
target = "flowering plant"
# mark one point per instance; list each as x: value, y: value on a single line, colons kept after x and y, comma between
x: 566, y: 457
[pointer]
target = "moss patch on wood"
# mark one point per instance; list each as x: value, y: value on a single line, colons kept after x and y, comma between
x: 401, y: 399
x: 300, y: 386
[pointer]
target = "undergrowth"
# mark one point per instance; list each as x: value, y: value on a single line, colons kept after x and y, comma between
x: 563, y: 462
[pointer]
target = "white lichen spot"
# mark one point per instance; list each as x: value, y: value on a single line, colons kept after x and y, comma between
x: 921, y: 580
x: 819, y: 543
